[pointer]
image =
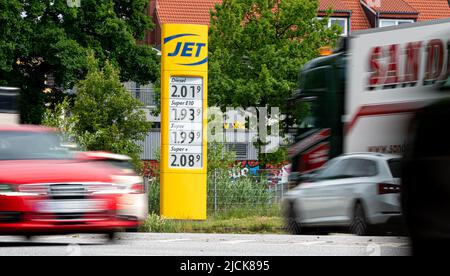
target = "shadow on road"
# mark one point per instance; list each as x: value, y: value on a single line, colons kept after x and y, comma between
x: 43, y: 244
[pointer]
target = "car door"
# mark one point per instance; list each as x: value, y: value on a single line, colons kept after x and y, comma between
x: 320, y: 198
x: 359, y: 172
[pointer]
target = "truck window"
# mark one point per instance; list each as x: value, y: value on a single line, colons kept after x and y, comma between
x: 314, y: 87
x: 315, y: 80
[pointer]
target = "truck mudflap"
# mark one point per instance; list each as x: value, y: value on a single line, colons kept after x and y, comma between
x: 311, y: 152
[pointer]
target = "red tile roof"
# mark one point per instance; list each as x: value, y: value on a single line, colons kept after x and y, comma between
x: 185, y: 11
x: 198, y: 11
x: 392, y: 6
x: 431, y: 9
x: 335, y: 5
x: 358, y: 20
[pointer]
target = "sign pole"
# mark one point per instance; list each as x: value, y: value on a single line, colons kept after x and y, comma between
x: 184, y: 93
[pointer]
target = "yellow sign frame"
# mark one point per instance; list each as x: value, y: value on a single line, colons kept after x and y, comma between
x: 184, y: 54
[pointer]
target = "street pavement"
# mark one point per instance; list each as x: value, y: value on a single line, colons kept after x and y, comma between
x: 149, y: 244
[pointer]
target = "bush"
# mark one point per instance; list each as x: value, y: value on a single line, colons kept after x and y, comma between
x: 156, y: 224
x: 154, y: 196
x: 103, y: 115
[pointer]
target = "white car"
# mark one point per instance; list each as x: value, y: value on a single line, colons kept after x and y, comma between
x: 356, y: 191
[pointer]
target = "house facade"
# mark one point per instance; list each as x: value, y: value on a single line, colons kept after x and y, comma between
x: 351, y: 15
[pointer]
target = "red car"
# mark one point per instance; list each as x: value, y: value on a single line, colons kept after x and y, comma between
x: 45, y: 189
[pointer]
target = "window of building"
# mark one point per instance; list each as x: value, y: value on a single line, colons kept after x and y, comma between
x: 340, y: 21
x: 394, y: 22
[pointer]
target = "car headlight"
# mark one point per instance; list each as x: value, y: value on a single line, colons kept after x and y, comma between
x: 129, y: 183
x: 5, y: 188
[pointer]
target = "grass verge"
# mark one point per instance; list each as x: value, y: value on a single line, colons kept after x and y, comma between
x: 266, y: 221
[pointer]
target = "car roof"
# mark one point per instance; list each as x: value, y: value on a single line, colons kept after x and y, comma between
x: 26, y: 128
x: 107, y: 155
x: 371, y: 155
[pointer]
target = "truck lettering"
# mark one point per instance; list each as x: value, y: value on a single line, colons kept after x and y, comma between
x: 412, y: 63
x: 385, y: 64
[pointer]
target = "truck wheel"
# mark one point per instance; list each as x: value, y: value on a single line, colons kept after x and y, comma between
x: 359, y: 224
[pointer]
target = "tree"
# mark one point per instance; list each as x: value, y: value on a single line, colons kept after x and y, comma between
x: 103, y: 116
x: 42, y: 38
x: 257, y: 48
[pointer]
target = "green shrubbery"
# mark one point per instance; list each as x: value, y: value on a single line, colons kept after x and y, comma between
x: 103, y: 115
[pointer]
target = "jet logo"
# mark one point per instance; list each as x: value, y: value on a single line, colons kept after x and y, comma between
x: 187, y: 49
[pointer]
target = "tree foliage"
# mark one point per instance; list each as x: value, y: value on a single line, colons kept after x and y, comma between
x: 40, y: 38
x: 257, y: 48
x: 103, y: 115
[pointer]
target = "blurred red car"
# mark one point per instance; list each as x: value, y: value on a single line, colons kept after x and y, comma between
x: 45, y: 189
x: 134, y: 200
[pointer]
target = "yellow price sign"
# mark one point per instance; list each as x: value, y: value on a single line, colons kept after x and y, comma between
x: 183, y: 121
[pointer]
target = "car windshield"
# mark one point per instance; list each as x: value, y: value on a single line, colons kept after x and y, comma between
x: 19, y: 145
x: 121, y: 164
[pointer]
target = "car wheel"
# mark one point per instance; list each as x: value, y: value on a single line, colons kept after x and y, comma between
x: 292, y: 225
x: 359, y: 225
x: 29, y: 238
x: 132, y: 230
x: 111, y: 236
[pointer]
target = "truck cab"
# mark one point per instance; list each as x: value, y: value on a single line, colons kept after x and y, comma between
x: 320, y: 137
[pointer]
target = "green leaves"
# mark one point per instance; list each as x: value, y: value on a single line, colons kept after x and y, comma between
x: 109, y: 118
x: 257, y: 48
x: 103, y: 116
x: 60, y: 38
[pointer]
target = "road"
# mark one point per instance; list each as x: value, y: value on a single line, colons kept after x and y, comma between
x: 138, y: 244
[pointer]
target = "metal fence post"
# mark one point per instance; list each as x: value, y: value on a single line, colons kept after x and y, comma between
x: 215, y: 191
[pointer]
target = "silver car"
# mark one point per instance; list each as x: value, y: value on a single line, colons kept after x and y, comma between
x: 355, y: 191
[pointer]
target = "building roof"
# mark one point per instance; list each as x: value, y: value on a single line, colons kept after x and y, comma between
x: 335, y: 5
x: 198, y: 11
x: 185, y: 11
x: 431, y: 9
x: 391, y: 6
x: 358, y: 19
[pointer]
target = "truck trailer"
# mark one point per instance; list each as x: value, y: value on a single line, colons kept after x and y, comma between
x: 362, y: 96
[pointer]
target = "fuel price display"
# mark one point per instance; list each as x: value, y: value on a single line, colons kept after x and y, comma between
x: 185, y: 122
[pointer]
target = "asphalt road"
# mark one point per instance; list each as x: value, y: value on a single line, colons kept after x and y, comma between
x: 205, y: 245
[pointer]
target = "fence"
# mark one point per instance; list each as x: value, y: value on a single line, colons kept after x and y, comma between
x: 144, y: 93
x: 245, y: 193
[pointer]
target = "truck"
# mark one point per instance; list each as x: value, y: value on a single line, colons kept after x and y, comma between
x: 8, y: 105
x: 361, y: 96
